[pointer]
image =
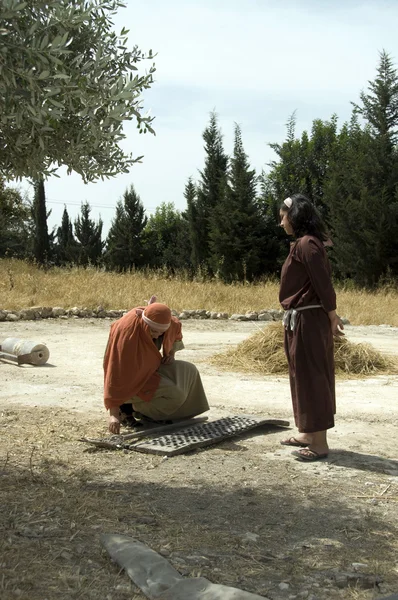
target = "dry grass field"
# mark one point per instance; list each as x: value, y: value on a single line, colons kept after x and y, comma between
x: 23, y: 285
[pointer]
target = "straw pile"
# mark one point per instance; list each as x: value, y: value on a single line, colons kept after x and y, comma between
x: 263, y: 353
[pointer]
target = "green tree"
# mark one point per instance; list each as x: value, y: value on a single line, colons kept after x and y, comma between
x: 363, y: 183
x: 15, y: 222
x: 67, y: 85
x: 66, y: 244
x: 167, y: 239
x: 273, y: 245
x: 235, y: 221
x: 362, y: 215
x: 209, y: 192
x: 125, y: 242
x: 192, y: 219
x: 379, y: 105
x: 89, y: 237
x: 41, y: 238
x: 288, y: 171
x: 303, y: 163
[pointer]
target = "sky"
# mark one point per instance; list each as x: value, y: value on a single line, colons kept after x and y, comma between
x: 254, y: 62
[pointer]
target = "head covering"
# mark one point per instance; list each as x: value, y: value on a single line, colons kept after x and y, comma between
x: 157, y: 316
x: 288, y: 202
x: 132, y: 359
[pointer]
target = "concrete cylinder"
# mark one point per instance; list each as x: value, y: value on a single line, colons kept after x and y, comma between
x: 32, y: 352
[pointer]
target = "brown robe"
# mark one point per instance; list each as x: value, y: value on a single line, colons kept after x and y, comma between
x: 306, y: 280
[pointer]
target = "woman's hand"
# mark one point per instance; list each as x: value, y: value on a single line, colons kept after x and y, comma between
x: 336, y: 323
x: 167, y: 360
x: 114, y: 420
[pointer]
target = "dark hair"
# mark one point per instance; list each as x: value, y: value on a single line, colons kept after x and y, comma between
x: 305, y: 218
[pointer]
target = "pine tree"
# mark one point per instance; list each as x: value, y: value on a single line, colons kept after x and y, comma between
x: 125, y: 241
x: 41, y: 237
x: 235, y: 221
x: 88, y: 234
x: 360, y: 212
x: 210, y: 191
x: 380, y: 104
x: 363, y: 182
x: 66, y: 243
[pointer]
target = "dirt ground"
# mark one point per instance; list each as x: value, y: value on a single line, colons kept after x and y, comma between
x: 243, y: 513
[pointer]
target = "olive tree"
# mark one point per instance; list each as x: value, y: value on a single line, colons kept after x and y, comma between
x: 68, y: 82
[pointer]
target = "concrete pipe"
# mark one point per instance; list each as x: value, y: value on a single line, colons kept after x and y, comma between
x: 25, y: 351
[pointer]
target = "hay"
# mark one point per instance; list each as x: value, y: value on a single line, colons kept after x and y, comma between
x: 263, y: 353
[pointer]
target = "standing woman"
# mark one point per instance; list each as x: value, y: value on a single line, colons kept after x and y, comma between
x: 310, y: 320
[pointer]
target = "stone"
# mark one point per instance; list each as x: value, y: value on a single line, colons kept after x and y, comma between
x: 85, y: 313
x: 265, y: 316
x: 27, y: 314
x: 183, y: 316
x: 3, y: 315
x: 12, y: 316
x: 114, y: 314
x: 58, y: 311
x: 200, y: 314
x: 237, y: 317
x: 359, y: 580
x: 284, y: 586
x: 43, y: 312
x: 252, y: 316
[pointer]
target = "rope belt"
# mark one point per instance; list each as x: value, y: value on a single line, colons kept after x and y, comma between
x: 290, y: 316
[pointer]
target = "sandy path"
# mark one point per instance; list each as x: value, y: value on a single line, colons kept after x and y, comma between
x: 73, y: 376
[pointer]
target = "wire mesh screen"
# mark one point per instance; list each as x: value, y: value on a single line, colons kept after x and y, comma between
x: 203, y: 434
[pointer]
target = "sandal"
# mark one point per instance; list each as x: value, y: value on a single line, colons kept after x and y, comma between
x: 308, y: 455
x: 293, y: 442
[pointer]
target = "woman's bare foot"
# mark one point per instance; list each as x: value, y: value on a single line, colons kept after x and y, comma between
x: 319, y: 443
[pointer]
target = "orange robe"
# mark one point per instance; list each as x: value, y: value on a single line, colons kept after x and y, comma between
x: 132, y: 359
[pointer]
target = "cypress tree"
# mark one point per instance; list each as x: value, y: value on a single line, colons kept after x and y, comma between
x: 192, y: 219
x: 88, y: 234
x: 125, y: 242
x: 235, y: 221
x: 210, y: 191
x: 41, y: 237
x: 66, y: 243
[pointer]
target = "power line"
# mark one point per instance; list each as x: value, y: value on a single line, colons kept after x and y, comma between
x: 91, y: 205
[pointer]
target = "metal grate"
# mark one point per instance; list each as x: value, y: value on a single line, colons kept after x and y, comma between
x: 203, y: 434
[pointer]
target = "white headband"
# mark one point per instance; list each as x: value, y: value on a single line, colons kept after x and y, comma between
x: 288, y: 202
x: 156, y: 326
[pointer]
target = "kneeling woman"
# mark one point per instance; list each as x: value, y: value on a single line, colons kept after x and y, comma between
x: 139, y: 368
